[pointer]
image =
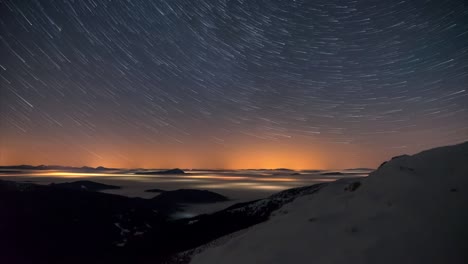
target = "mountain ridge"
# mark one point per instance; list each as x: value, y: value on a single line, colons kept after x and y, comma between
x: 411, y: 210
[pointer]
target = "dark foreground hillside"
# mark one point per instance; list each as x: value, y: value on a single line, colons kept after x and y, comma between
x: 413, y: 209
x: 60, y: 224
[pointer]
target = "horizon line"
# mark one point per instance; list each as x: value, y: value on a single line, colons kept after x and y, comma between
x: 189, y: 169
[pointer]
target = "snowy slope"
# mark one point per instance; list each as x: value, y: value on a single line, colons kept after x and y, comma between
x: 413, y: 209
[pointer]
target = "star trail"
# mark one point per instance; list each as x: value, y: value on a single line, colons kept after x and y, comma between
x: 230, y: 84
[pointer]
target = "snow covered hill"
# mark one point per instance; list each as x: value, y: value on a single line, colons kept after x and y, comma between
x: 413, y: 209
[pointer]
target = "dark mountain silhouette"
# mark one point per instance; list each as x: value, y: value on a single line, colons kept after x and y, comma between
x: 44, y: 224
x: 337, y: 173
x: 155, y: 190
x: 333, y: 173
x: 283, y: 169
x: 84, y: 186
x: 55, y: 167
x: 18, y: 167
x: 63, y: 225
x: 311, y: 171
x: 359, y: 169
x: 189, y: 196
x: 9, y: 171
x: 172, y: 171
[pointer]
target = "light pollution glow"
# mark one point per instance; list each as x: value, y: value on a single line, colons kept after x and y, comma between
x: 245, y: 155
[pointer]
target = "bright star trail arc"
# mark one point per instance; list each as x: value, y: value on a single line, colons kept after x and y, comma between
x: 230, y: 84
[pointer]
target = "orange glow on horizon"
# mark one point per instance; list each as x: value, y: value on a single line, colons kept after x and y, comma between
x: 239, y: 155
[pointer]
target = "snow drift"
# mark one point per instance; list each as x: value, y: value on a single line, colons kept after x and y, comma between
x: 413, y: 209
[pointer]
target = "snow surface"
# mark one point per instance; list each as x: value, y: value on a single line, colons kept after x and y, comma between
x: 413, y: 209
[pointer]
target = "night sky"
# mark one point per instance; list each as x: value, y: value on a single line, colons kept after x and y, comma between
x: 230, y: 84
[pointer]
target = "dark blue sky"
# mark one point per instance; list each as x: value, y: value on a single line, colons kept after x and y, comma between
x: 238, y: 84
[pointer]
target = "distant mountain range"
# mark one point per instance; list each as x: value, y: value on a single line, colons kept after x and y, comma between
x: 55, y: 167
x: 172, y: 171
x: 155, y: 171
x: 84, y: 186
x: 84, y: 169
